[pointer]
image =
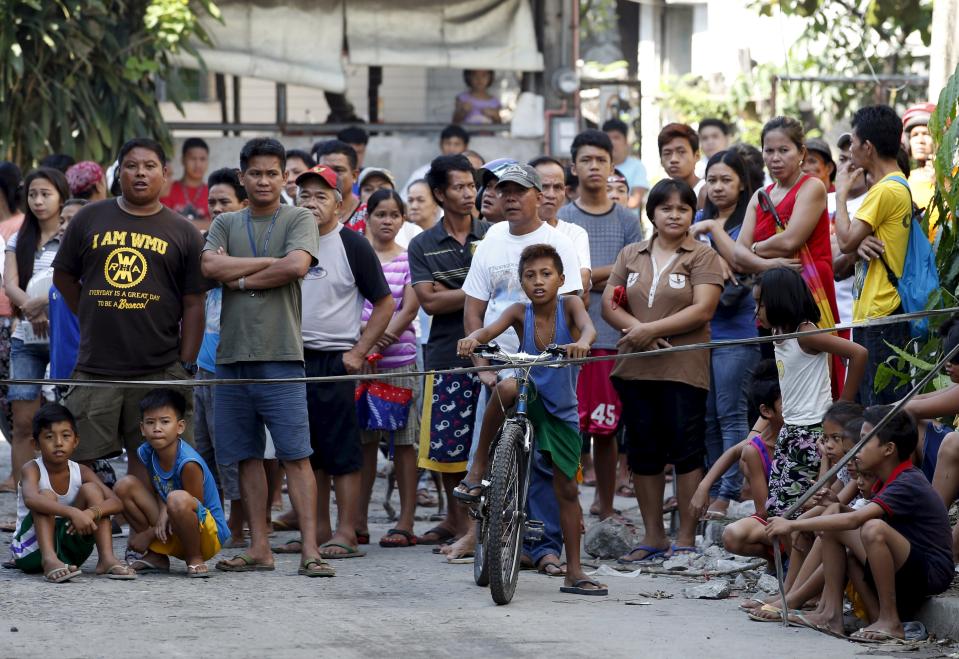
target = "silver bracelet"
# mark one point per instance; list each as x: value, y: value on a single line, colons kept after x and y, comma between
x: 241, y: 283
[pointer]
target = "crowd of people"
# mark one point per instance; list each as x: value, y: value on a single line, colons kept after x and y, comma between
x: 317, y: 264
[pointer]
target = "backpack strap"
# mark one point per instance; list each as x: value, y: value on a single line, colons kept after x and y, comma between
x: 893, y: 279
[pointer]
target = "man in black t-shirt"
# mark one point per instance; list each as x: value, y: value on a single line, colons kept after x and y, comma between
x: 130, y: 269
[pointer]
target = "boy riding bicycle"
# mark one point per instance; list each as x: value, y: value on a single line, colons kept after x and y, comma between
x: 552, y: 409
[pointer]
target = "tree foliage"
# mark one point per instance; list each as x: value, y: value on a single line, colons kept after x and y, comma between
x: 78, y: 76
x: 857, y: 38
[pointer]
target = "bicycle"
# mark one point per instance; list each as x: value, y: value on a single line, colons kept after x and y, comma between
x: 501, y: 509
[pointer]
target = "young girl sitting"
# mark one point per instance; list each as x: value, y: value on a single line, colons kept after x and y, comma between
x: 477, y: 106
x: 785, y: 305
x: 754, y: 454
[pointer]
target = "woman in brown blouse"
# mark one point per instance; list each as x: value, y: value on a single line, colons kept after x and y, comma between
x: 672, y: 285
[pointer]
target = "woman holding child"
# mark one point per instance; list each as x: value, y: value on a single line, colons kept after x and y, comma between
x: 664, y: 292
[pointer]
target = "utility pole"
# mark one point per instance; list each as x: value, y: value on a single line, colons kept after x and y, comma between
x: 944, y: 51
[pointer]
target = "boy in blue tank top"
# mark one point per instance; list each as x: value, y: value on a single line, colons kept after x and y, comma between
x: 553, y: 410
x: 180, y: 515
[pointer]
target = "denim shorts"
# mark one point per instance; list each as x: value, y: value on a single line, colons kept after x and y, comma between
x: 239, y: 412
x: 28, y: 361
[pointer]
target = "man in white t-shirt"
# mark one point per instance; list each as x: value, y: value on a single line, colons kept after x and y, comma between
x: 491, y: 286
x: 553, y: 179
x: 844, y: 264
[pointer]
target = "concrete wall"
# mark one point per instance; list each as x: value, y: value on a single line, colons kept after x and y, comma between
x: 400, y: 154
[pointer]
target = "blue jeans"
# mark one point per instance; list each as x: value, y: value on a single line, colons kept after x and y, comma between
x: 542, y: 505
x: 28, y: 361
x: 875, y: 340
x: 726, y: 411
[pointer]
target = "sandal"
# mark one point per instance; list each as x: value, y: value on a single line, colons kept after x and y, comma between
x: 652, y: 554
x: 198, y: 571
x: 141, y: 566
x: 362, y: 537
x: 62, y: 574
x: 443, y: 536
x: 577, y: 588
x: 407, y: 539
x: 119, y: 572
x: 465, y: 495
x: 313, y: 567
x: 348, y: 551
x: 286, y: 548
x: 247, y: 564
x: 559, y: 568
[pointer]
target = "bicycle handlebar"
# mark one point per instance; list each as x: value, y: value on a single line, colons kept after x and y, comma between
x: 492, y: 350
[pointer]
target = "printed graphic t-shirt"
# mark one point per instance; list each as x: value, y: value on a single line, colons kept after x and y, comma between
x: 134, y: 272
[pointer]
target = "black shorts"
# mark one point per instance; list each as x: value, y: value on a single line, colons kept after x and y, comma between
x: 912, y: 585
x: 334, y: 429
x: 665, y: 424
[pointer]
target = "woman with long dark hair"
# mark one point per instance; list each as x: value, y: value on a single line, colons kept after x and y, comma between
x: 728, y: 191
x: 27, y: 278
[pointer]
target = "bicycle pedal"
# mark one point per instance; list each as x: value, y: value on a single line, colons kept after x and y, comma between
x: 534, y: 531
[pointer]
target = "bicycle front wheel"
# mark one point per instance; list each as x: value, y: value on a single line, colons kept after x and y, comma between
x: 505, y: 523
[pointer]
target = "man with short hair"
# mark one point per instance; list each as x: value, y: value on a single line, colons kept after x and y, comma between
x: 297, y: 162
x: 879, y: 234
x: 844, y: 265
x: 454, y: 139
x: 188, y: 195
x: 632, y: 168
x: 552, y: 175
x: 610, y: 227
x: 713, y: 138
x: 440, y: 258
x: 342, y: 159
x: 357, y: 138
x: 130, y: 269
x: 491, y: 286
x: 348, y: 272
x: 260, y: 255
x: 678, y: 151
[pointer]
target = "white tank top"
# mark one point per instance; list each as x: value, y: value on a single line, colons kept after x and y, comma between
x: 65, y: 499
x: 804, y: 382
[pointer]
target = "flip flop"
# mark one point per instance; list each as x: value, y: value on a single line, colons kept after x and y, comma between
x: 193, y: 571
x: 543, y: 568
x: 770, y: 608
x: 800, y: 620
x: 65, y: 574
x: 683, y: 550
x: 236, y: 543
x: 124, y: 575
x: 362, y: 538
x: 316, y: 568
x: 443, y: 536
x: 350, y: 552
x: 409, y: 540
x: 465, y: 496
x: 285, y: 547
x: 652, y: 553
x: 249, y: 565
x: 859, y: 636
x: 280, y: 525
x: 463, y: 559
x: 745, y: 605
x: 141, y: 566
x: 577, y: 588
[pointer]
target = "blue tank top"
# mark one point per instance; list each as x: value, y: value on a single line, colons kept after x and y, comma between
x: 165, y: 482
x: 555, y: 386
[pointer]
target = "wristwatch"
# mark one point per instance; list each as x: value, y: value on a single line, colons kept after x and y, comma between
x: 241, y: 283
x: 190, y: 367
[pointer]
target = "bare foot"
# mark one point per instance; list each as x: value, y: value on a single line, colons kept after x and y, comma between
x: 465, y: 546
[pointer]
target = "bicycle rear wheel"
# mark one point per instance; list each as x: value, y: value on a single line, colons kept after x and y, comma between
x: 505, y: 522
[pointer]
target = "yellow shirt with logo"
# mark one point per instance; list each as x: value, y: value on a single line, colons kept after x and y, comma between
x: 887, y: 208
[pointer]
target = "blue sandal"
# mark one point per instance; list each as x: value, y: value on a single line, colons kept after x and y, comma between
x: 652, y: 553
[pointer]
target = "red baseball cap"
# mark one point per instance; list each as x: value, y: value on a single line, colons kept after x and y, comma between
x: 917, y: 115
x: 322, y: 172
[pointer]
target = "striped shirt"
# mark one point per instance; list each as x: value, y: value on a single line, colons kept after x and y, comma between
x: 436, y: 256
x: 403, y: 352
x: 42, y: 278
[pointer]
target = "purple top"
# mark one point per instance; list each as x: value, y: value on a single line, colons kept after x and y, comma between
x: 760, y: 446
x: 475, y: 115
x: 403, y: 352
